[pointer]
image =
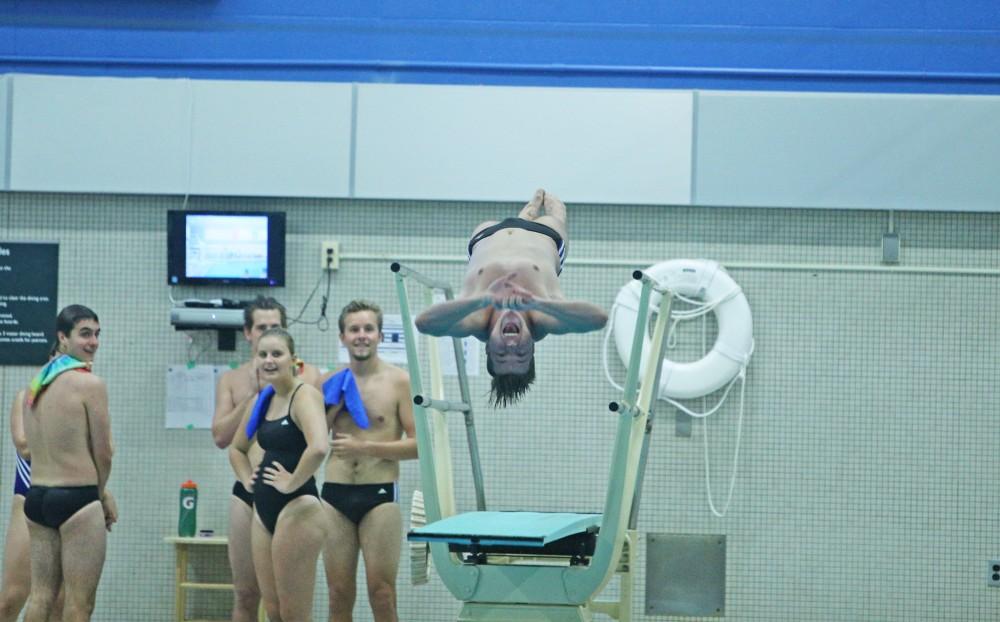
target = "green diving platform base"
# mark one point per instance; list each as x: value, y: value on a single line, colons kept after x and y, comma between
x: 487, y: 538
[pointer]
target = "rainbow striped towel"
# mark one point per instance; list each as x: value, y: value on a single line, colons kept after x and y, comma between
x: 50, y: 372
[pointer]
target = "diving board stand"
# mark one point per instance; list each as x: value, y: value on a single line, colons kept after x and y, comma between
x: 531, y: 566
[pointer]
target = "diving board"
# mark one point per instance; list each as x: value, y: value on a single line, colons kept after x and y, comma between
x: 499, y: 563
x: 481, y: 534
x: 533, y: 529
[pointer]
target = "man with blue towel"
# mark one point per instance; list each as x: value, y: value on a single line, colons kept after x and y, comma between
x: 370, y: 414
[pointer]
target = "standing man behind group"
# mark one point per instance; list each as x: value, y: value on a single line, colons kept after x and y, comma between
x: 511, y: 297
x: 17, y: 545
x: 236, y: 392
x: 69, y: 438
x: 369, y: 410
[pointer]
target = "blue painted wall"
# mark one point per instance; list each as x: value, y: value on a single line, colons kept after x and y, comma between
x: 824, y: 45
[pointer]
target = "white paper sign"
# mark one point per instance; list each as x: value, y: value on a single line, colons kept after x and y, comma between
x: 191, y: 395
x: 470, y: 349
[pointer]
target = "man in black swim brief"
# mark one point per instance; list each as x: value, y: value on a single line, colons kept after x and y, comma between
x: 370, y: 414
x: 69, y: 440
x: 511, y: 296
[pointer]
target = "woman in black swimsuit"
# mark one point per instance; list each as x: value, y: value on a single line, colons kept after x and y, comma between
x: 288, y: 422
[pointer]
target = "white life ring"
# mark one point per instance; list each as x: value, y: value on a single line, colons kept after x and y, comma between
x: 692, y: 278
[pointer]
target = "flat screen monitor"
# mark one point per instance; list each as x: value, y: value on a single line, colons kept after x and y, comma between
x: 227, y: 248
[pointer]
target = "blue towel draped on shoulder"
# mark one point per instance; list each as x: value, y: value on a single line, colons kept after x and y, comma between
x: 259, y: 410
x: 342, y: 387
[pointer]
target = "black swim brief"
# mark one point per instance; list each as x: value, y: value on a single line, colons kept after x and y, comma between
x: 52, y: 506
x: 527, y: 225
x: 241, y: 493
x: 355, y: 500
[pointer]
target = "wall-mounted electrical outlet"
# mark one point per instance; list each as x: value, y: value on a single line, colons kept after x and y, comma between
x: 331, y: 255
x: 993, y: 573
x: 890, y: 248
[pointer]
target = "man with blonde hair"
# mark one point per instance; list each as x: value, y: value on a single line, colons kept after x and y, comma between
x: 369, y: 411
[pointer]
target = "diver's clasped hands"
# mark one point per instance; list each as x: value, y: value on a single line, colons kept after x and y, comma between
x: 503, y: 293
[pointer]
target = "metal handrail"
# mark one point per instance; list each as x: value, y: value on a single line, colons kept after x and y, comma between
x: 426, y: 401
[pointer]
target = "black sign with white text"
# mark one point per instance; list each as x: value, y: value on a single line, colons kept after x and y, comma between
x: 29, y: 282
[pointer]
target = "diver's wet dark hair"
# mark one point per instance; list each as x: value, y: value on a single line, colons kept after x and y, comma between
x: 508, y: 389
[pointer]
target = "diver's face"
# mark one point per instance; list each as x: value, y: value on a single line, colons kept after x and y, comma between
x: 510, y: 345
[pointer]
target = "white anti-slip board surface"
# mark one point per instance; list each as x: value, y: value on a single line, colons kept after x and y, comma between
x: 829, y: 150
x: 500, y: 143
x: 115, y: 135
x: 271, y: 138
